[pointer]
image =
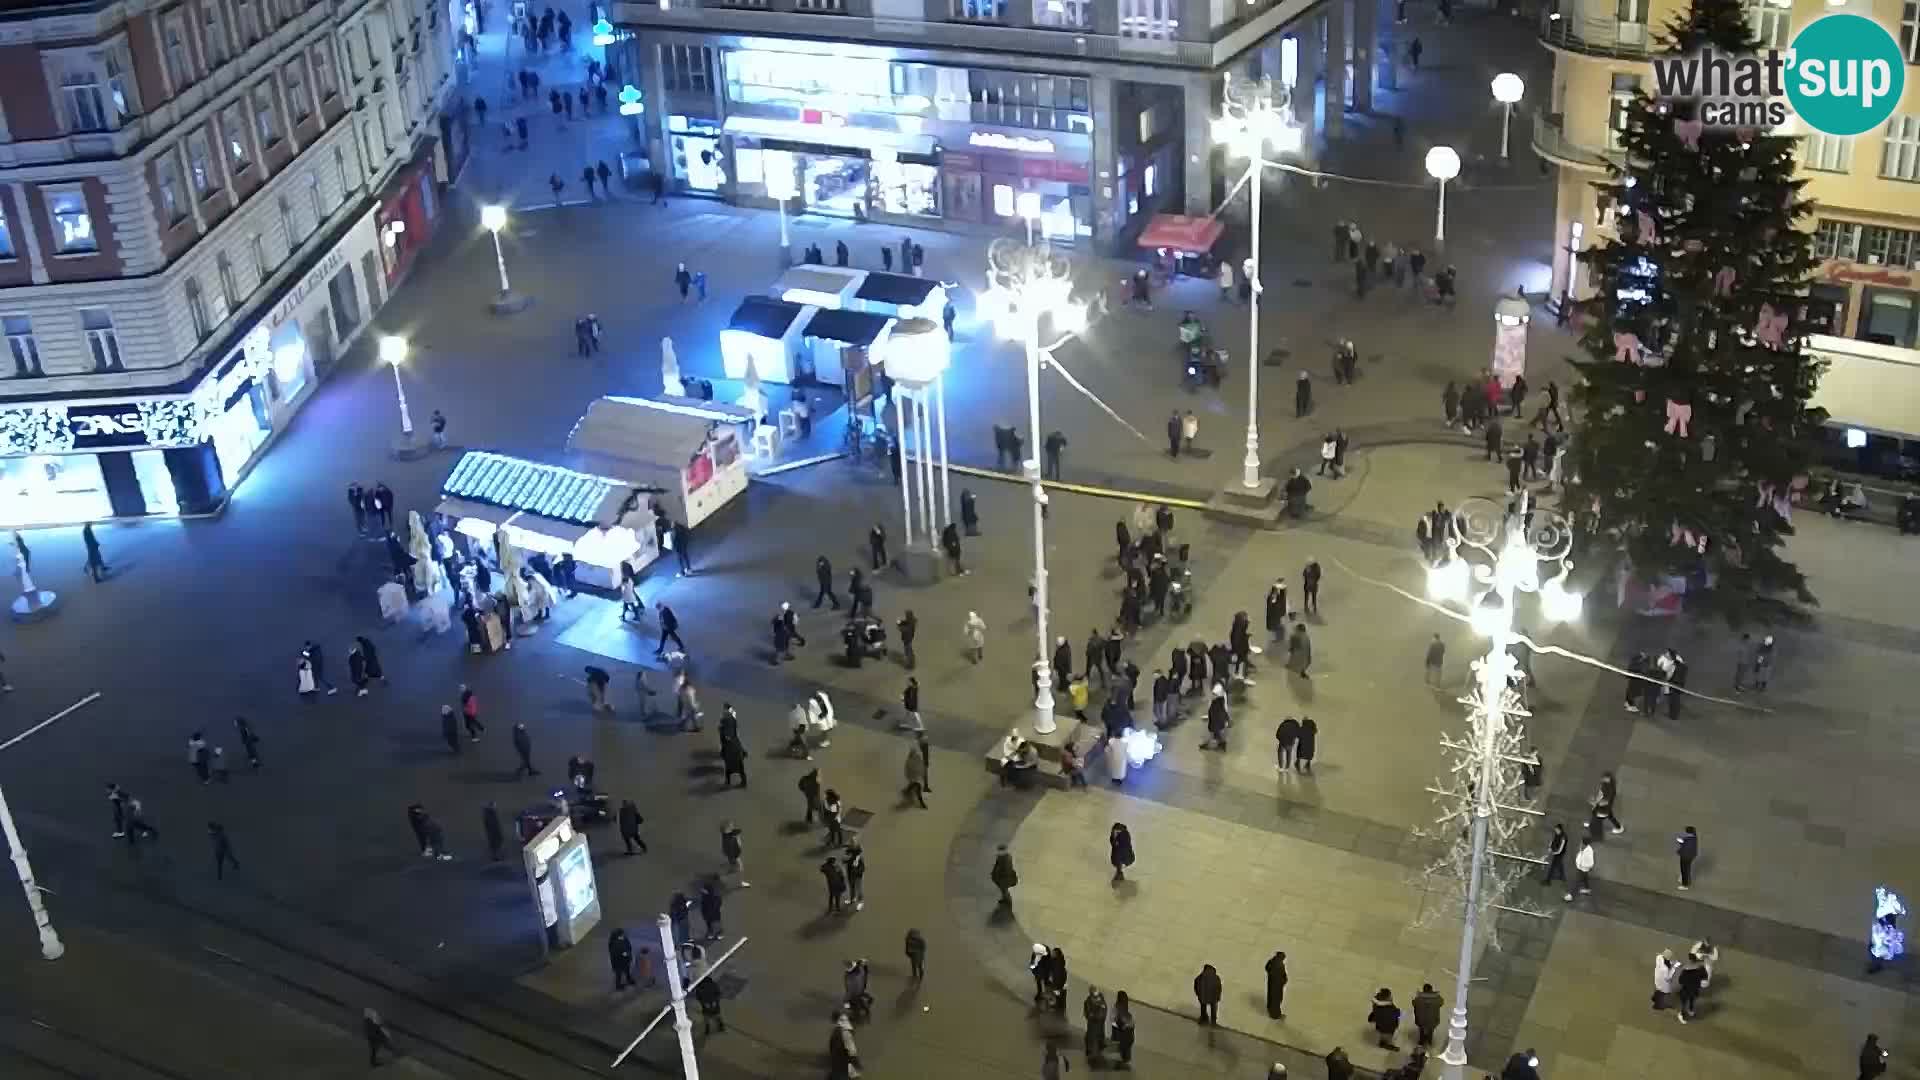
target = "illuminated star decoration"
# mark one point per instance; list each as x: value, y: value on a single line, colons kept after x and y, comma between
x: 1772, y: 327
x: 1689, y: 132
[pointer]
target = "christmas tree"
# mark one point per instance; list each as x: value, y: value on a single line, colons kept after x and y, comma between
x: 1694, y: 416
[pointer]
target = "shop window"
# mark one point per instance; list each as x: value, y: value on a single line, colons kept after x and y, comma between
x: 298, y: 100
x: 1900, y: 154
x: 1619, y: 102
x: 21, y: 345
x: 6, y: 235
x: 42, y: 489
x: 233, y: 126
x: 1873, y: 244
x: 1887, y: 317
x: 206, y: 180
x: 978, y: 10
x: 102, y: 342
x: 1071, y: 14
x: 178, y: 61
x: 156, y: 481
x: 266, y: 118
x: 166, y: 174
x: 72, y: 222
x: 197, y: 311
x: 1827, y: 153
x: 1153, y: 19
x: 213, y: 27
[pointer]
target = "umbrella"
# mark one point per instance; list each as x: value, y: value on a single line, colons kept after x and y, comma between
x: 751, y: 397
x: 670, y: 370
x: 427, y: 574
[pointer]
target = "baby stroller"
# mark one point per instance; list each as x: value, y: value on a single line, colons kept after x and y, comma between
x: 1180, y: 592
x: 865, y: 638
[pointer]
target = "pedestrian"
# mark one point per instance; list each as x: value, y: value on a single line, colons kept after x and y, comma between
x: 1338, y: 1066
x: 1173, y: 434
x: 1556, y: 856
x: 378, y: 1037
x: 1693, y: 976
x: 733, y: 758
x: 316, y: 666
x: 682, y: 280
x: 1094, y: 1010
x: 490, y: 824
x: 1119, y: 851
x: 680, y: 917
x: 707, y: 993
x: 1676, y: 683
x: 1686, y: 847
x: 1189, y: 430
x: 969, y: 512
x: 916, y: 954
x: 950, y: 546
x: 877, y: 546
x: 916, y: 773
x: 1385, y: 1018
x: 1414, y: 49
x: 586, y: 173
x: 1666, y: 972
x: 1436, y: 659
x: 1873, y: 1059
x: 854, y: 859
x: 830, y: 809
x: 523, y: 748
x: 1286, y: 738
x: 810, y: 789
x: 1763, y: 663
x: 1004, y: 876
x: 1426, y: 1014
x: 681, y: 539
x: 1605, y: 802
x: 1218, y: 718
x: 357, y: 502
x: 222, y: 850
x: 1308, y: 745
x: 450, y: 728
x: 520, y: 129
x: 1276, y: 985
x: 710, y: 910
x: 975, y: 633
x: 1532, y: 773
x: 197, y: 756
x: 1583, y: 861
x: 1299, y: 651
x: 669, y: 630
x: 1206, y: 991
x: 96, y: 565
x: 1052, y: 446
x: 620, y: 958
x: 823, y: 575
x: 1310, y: 586
x: 836, y: 883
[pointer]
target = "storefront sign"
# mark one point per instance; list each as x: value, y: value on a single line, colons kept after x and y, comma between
x: 1845, y: 271
x: 97, y: 426
x: 1018, y: 144
x: 315, y: 279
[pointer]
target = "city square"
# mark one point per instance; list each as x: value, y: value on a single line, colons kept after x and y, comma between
x: 264, y: 966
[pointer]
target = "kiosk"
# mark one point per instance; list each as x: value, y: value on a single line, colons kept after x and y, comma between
x: 840, y: 345
x: 602, y: 522
x: 763, y: 334
x: 559, y: 867
x: 901, y: 296
x: 688, y: 452
x: 819, y: 286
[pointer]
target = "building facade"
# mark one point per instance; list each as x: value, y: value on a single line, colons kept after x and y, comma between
x: 196, y: 207
x: 1087, y: 116
x: 1865, y: 297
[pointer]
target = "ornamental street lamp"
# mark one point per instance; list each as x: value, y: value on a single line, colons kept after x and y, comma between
x: 1256, y: 119
x: 1487, y: 766
x: 1507, y: 90
x: 393, y: 353
x: 50, y: 944
x: 1443, y: 164
x: 493, y: 219
x: 1029, y: 283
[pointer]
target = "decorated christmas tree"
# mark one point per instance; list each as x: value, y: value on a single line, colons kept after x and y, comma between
x: 1694, y: 416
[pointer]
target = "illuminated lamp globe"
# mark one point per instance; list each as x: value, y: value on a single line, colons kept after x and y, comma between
x: 1443, y: 163
x: 1508, y: 88
x: 493, y: 218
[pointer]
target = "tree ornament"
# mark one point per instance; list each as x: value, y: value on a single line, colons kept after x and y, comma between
x: 1678, y: 414
x: 1689, y: 133
x: 1723, y: 280
x: 1626, y: 347
x: 1772, y: 328
x: 1648, y: 233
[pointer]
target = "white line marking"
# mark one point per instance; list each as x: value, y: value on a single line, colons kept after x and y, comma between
x: 61, y: 715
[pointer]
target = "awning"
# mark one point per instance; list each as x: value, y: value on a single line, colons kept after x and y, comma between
x: 852, y: 138
x: 1193, y: 235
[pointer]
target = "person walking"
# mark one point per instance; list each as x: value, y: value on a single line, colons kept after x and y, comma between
x: 1763, y: 663
x: 1299, y: 651
x: 1693, y: 976
x: 630, y: 821
x: 1218, y: 719
x: 1873, y: 1059
x: 1122, y: 1031
x: 1119, y: 851
x: 707, y: 993
x: 916, y: 954
x: 490, y: 824
x: 523, y: 748
x: 1302, y: 395
x: 222, y: 850
x: 1686, y: 847
x: 96, y: 564
x: 669, y: 630
x: 1276, y: 985
x: 1004, y: 876
x: 450, y: 729
x: 1436, y: 659
x: 710, y: 910
x: 854, y: 860
x: 733, y: 760
x: 1606, y: 804
x: 316, y: 663
x: 620, y: 958
x: 916, y: 771
x: 877, y: 548
x: 1583, y: 861
x: 197, y: 756
x: 823, y: 575
x: 1173, y: 434
x: 1206, y: 991
x: 1309, y: 745
x: 377, y: 1035
x: 249, y: 741
x: 1426, y: 1014
x: 836, y: 883
x: 830, y: 817
x: 1385, y: 1018
x: 908, y: 625
x: 1051, y: 447
x: 1094, y: 1010
x: 1310, y: 586
x: 470, y: 713
x: 1556, y: 856
x: 975, y: 631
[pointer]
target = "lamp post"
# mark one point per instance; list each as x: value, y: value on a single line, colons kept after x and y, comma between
x: 1507, y: 90
x: 493, y: 219
x: 1255, y: 119
x: 1443, y: 164
x: 1029, y: 283
x: 393, y: 352
x: 1518, y: 539
x: 50, y: 945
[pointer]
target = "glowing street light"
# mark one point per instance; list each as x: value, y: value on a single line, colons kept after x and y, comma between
x: 603, y: 32
x: 1443, y: 164
x: 50, y: 945
x: 1508, y: 89
x: 1255, y: 121
x: 493, y: 218
x: 393, y: 353
x: 630, y: 103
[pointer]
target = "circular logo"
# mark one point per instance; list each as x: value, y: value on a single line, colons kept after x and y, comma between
x: 1845, y: 74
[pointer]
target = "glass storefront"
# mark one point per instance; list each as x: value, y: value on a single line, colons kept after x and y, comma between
x: 694, y: 148
x: 833, y: 185
x: 45, y: 489
x: 237, y: 433
x: 156, y: 481
x: 900, y: 187
x: 1887, y: 317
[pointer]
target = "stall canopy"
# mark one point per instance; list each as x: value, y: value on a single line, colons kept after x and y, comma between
x: 821, y: 286
x: 763, y: 335
x: 896, y: 290
x: 765, y: 317
x: 693, y: 457
x: 849, y: 327
x: 1177, y: 232
x: 517, y: 486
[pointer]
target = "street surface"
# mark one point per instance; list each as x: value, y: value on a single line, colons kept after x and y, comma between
x: 1801, y: 796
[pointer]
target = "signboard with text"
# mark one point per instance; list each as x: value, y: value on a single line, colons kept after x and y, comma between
x: 96, y: 427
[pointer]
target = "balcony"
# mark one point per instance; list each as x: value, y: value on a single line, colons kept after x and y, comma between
x: 1550, y: 141
x: 1577, y: 33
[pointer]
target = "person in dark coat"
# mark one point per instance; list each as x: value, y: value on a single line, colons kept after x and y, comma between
x: 836, y: 883
x: 523, y: 747
x: 490, y: 824
x: 450, y: 728
x: 917, y: 953
x: 1057, y: 979
x: 1119, y: 851
x: 823, y: 574
x: 969, y: 512
x: 1277, y: 609
x: 222, y: 850
x: 1426, y: 1014
x: 1206, y: 991
x: 1276, y: 984
x: 1287, y: 740
x: 908, y: 625
x: 1123, y: 1028
x: 710, y: 910
x: 1062, y: 663
x: 733, y: 757
x: 1309, y: 743
x: 1385, y: 1018
x: 1873, y: 1059
x: 1338, y: 1066
x: 620, y: 958
x: 708, y: 995
x: 1003, y: 876
x: 1217, y: 721
x: 378, y: 1037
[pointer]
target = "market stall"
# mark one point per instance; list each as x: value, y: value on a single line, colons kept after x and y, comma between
x: 841, y: 346
x: 902, y: 296
x: 763, y: 334
x: 601, y: 521
x: 819, y: 286
x: 1184, y: 243
x: 692, y: 459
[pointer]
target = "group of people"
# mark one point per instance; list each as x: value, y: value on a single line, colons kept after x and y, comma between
x: 1389, y: 263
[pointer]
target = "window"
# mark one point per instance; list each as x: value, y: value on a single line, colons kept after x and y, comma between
x: 1073, y: 14
x: 323, y: 75
x: 213, y: 30
x: 258, y: 247
x: 101, y: 340
x: 978, y: 10
x: 1625, y: 89
x: 26, y: 351
x: 287, y: 223
x: 266, y: 119
x: 229, y: 288
x: 374, y: 153
x: 6, y: 235
x: 1769, y: 20
x: 1872, y: 244
x: 248, y: 16
x: 340, y: 168
x: 197, y: 311
x: 1153, y: 19
x: 206, y: 179
x: 386, y: 133
x: 72, y: 222
x: 86, y: 106
x: 353, y: 61
x: 1828, y: 153
x: 1910, y: 31
x: 299, y: 102
x: 313, y: 196
x: 687, y: 67
x: 1900, y: 154
x: 179, y: 62
x: 233, y: 130
x: 821, y: 5
x: 121, y: 94
x: 166, y: 178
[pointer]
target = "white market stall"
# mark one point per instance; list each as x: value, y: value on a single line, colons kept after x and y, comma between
x: 763, y: 334
x: 601, y: 521
x: 841, y: 345
x: 819, y: 286
x: 902, y: 296
x: 690, y: 451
